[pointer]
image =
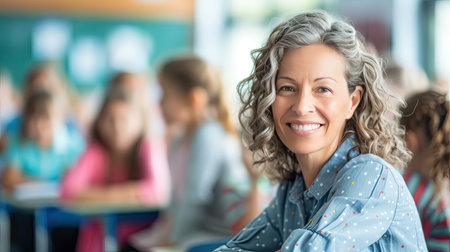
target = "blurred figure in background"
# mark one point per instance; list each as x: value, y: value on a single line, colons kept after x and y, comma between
x: 44, y: 147
x: 9, y: 106
x: 404, y: 81
x: 41, y: 150
x: 442, y: 85
x: 137, y: 86
x: 119, y: 167
x: 44, y: 76
x: 134, y: 84
x: 427, y: 122
x: 210, y: 182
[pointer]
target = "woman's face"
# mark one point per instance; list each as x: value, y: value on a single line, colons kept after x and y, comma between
x: 175, y: 105
x: 120, y: 125
x: 312, y: 102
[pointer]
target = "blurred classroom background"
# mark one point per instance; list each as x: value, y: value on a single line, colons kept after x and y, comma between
x: 88, y: 42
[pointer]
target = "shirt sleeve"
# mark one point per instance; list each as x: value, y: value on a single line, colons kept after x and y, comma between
x: 359, y: 211
x: 155, y: 186
x: 88, y: 170
x: 263, y: 233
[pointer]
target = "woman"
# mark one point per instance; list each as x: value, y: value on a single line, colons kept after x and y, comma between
x: 314, y: 113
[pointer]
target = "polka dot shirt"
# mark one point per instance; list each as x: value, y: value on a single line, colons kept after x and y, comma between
x: 357, y: 203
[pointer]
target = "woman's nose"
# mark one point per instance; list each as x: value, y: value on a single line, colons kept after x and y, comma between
x: 304, y: 102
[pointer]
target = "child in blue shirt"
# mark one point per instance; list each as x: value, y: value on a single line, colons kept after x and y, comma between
x: 44, y: 147
x: 315, y: 115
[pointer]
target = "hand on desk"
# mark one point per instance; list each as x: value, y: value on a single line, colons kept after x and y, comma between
x: 12, y: 177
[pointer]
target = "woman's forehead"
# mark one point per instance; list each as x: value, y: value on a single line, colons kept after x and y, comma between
x: 316, y: 59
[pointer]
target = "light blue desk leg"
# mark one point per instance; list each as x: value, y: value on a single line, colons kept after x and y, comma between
x: 4, y: 228
x: 110, y: 226
x: 41, y: 230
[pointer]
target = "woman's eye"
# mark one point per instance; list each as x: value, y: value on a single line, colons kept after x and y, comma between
x: 286, y: 89
x: 323, y: 90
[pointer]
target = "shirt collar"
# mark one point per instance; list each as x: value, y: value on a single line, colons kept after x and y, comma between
x: 327, y: 174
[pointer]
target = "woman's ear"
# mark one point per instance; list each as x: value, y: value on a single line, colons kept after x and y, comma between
x: 198, y: 98
x: 355, y: 99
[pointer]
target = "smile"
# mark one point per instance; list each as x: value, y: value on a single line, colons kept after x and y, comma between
x: 304, y: 128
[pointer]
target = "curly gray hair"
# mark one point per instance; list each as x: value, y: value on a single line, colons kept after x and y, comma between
x: 375, y: 123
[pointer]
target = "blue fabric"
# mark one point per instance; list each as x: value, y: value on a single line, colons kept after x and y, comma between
x: 357, y: 203
x: 45, y: 164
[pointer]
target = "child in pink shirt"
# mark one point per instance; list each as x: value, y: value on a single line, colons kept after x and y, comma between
x: 119, y: 167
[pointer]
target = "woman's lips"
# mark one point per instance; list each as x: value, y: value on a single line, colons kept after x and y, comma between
x: 304, y: 128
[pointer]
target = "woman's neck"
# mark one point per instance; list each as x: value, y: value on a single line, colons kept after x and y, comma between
x: 310, y: 168
x: 311, y: 164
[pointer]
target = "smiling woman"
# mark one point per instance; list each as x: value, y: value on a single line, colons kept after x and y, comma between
x: 315, y: 114
x: 312, y: 104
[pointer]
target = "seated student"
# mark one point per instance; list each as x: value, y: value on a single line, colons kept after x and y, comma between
x: 135, y: 84
x: 41, y: 77
x: 138, y: 86
x: 41, y: 150
x: 119, y: 167
x: 427, y: 122
x: 44, y: 147
x: 210, y: 182
x: 315, y: 110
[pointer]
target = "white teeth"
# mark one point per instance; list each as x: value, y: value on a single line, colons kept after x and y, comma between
x: 305, y: 127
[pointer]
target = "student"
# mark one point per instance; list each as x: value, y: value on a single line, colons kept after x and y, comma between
x: 41, y: 77
x: 119, y: 167
x: 133, y: 83
x: 427, y: 123
x: 44, y: 147
x: 210, y: 182
x: 143, y: 93
x: 314, y: 109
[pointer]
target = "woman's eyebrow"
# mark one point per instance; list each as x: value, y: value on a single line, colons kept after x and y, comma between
x: 323, y: 78
x: 285, y: 78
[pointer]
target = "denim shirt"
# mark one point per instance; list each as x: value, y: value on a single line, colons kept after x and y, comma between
x: 358, y: 202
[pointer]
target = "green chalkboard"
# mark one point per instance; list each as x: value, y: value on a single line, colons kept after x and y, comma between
x: 17, y: 55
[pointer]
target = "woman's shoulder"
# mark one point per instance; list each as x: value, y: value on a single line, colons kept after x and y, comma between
x: 371, y: 171
x: 370, y: 162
